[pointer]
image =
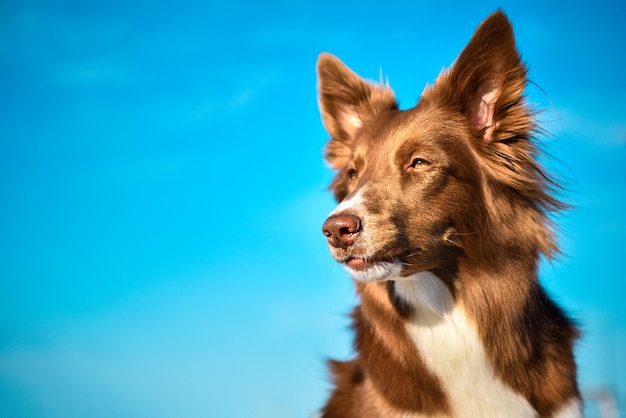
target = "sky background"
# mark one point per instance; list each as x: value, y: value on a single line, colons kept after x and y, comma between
x: 162, y: 192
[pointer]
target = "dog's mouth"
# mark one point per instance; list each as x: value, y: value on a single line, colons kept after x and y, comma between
x: 369, y: 269
x: 357, y: 263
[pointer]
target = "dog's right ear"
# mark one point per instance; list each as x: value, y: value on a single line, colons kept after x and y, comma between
x: 346, y: 102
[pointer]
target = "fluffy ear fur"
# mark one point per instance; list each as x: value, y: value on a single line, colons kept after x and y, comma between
x: 487, y: 82
x: 346, y: 102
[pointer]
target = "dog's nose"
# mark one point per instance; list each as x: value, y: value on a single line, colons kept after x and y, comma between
x: 341, y: 230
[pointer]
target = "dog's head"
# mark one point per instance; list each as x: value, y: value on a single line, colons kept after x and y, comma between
x: 454, y: 177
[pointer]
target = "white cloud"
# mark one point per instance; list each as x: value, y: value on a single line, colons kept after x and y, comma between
x: 95, y: 73
x: 596, y: 129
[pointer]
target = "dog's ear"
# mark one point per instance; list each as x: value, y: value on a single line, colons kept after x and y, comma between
x: 346, y: 102
x: 487, y: 82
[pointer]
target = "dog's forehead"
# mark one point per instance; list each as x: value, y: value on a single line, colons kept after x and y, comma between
x: 417, y: 126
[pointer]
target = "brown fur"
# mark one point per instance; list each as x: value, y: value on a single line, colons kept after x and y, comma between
x: 476, y: 216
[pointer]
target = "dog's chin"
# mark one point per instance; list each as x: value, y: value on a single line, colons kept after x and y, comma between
x: 373, y: 271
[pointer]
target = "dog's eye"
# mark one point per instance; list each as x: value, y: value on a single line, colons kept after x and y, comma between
x: 420, y: 164
x: 352, y: 174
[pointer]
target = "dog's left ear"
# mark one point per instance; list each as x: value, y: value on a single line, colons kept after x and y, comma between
x: 487, y: 82
x: 346, y: 102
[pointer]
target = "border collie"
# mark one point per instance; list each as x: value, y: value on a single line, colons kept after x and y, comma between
x: 442, y: 220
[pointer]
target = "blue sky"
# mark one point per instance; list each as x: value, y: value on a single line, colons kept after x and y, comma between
x: 162, y: 192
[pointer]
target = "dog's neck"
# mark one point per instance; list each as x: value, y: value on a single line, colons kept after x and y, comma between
x: 455, y: 340
x: 451, y: 345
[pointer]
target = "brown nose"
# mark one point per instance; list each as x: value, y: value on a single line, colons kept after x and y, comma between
x: 341, y: 230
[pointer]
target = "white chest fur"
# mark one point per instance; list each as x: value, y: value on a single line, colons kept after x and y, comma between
x: 452, y: 350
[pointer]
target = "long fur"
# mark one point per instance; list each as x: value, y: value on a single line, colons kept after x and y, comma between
x: 446, y: 201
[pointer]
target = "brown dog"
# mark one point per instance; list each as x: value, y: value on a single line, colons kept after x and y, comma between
x: 441, y: 222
